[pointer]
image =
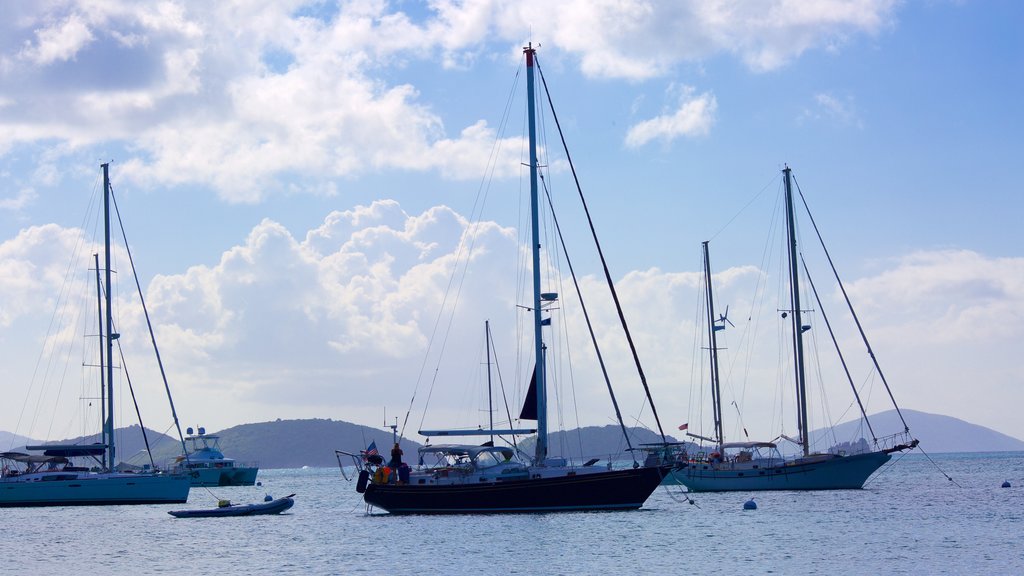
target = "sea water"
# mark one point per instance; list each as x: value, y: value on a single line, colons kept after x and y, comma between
x: 908, y: 520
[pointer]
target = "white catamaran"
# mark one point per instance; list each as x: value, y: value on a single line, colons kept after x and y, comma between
x: 50, y: 476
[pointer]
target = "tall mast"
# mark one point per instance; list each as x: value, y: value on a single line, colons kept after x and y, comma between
x: 542, y: 417
x: 490, y: 399
x: 798, y: 325
x: 716, y: 391
x: 99, y: 319
x: 108, y: 424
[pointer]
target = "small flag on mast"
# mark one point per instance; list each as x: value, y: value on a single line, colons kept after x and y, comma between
x: 684, y: 426
x: 371, y: 450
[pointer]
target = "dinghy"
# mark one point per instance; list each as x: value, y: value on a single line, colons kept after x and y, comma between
x: 228, y: 509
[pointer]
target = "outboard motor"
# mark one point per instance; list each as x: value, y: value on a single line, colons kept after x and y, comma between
x: 364, y: 477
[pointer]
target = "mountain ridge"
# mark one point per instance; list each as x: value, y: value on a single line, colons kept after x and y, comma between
x: 312, y: 442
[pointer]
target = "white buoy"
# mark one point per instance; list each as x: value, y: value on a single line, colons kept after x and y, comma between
x: 750, y: 505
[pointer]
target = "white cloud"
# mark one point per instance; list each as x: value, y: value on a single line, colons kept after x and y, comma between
x: 24, y: 197
x: 192, y: 86
x: 694, y: 117
x: 59, y: 41
x: 337, y: 323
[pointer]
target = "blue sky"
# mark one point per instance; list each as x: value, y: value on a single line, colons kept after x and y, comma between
x: 294, y: 176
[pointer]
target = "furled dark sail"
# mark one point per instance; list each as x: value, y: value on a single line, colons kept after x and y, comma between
x: 529, y: 411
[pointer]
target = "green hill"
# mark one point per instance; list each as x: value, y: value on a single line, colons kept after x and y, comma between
x: 297, y: 443
x: 312, y: 442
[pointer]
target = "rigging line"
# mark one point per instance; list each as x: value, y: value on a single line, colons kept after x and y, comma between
x: 501, y: 384
x: 590, y: 326
x: 149, y: 324
x: 842, y: 359
x: 55, y: 319
x: 480, y: 201
x: 685, y: 494
x: 600, y: 252
x: 885, y: 469
x: 744, y: 208
x: 145, y: 437
x: 941, y: 471
x: 697, y: 361
x: 849, y: 305
x: 563, y: 333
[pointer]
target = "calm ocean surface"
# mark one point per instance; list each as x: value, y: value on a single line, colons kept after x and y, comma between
x: 909, y: 520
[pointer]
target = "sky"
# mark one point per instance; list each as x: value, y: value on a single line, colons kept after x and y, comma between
x: 298, y: 181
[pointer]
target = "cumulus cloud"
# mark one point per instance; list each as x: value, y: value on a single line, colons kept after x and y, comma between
x: 293, y: 95
x: 338, y: 321
x: 694, y: 117
x: 58, y: 41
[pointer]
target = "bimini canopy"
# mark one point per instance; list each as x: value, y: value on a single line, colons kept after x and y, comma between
x: 33, y: 458
x: 748, y: 445
x: 466, y: 450
x: 70, y: 450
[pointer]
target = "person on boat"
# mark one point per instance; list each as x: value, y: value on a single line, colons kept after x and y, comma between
x: 396, y: 457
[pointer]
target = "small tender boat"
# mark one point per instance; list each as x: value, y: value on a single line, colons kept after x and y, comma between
x: 228, y: 509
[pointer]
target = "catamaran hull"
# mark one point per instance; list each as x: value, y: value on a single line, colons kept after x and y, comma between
x: 611, y: 490
x: 96, y: 490
x: 840, y: 473
x: 223, y: 476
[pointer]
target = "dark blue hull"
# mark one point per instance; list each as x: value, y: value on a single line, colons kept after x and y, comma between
x: 272, y: 507
x: 610, y: 490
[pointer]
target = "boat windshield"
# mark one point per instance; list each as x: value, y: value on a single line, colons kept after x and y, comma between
x: 492, y: 458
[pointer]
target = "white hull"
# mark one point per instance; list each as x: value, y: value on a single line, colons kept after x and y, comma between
x: 242, y: 476
x: 838, y: 473
x: 88, y: 489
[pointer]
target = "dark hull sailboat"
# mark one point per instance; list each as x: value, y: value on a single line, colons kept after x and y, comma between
x: 606, y: 490
x: 468, y: 478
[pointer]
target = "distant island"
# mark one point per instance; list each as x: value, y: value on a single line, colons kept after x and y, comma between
x: 312, y: 442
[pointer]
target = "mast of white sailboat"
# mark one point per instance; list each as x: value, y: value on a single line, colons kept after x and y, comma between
x: 490, y: 398
x: 716, y: 391
x: 99, y: 320
x: 798, y: 326
x: 108, y: 425
x: 542, y: 417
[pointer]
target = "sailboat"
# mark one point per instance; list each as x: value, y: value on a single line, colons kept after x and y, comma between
x: 475, y: 478
x: 759, y: 465
x: 50, y: 477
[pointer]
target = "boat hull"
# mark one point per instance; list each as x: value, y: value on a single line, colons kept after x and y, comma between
x: 262, y: 509
x: 839, y: 473
x: 95, y: 490
x: 223, y: 476
x: 606, y: 490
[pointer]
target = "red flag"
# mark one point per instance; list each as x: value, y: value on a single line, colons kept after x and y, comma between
x: 684, y: 426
